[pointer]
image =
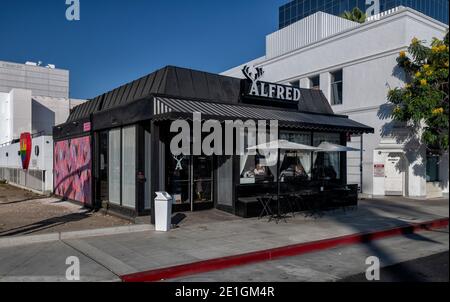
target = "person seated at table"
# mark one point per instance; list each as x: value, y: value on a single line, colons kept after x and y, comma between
x: 260, y: 170
x: 300, y: 170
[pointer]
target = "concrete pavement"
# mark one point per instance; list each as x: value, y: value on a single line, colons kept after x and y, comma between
x: 106, y: 257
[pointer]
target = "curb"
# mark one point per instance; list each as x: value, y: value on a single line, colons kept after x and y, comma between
x: 271, y: 254
x: 26, y: 240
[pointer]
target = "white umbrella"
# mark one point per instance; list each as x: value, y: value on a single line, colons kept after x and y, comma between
x: 282, y: 145
x: 329, y: 147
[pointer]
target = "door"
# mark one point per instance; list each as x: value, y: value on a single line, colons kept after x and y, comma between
x: 202, y: 182
x: 393, y: 184
x: 103, y: 167
x: 190, y: 182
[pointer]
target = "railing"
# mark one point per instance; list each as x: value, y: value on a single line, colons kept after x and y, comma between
x: 31, y: 179
x: 377, y: 17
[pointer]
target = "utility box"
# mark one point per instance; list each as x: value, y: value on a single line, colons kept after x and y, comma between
x: 163, y: 212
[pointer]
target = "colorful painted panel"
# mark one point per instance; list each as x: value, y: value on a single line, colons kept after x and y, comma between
x: 72, y: 169
x: 25, y: 149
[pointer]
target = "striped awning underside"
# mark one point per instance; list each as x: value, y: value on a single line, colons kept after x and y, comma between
x: 168, y: 107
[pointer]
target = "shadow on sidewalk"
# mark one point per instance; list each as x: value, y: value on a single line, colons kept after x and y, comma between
x: 371, y: 218
x: 45, y: 224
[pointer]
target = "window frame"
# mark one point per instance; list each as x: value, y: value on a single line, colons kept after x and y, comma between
x: 336, y: 83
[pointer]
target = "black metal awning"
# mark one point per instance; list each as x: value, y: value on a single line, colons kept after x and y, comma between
x: 171, y: 109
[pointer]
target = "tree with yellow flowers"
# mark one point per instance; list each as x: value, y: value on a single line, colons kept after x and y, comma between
x: 424, y: 99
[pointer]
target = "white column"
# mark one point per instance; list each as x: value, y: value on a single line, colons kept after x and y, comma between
x: 305, y: 83
x: 325, y: 85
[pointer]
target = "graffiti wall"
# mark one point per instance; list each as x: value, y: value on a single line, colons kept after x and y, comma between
x: 72, y: 169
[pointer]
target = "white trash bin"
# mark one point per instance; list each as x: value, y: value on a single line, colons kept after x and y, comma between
x: 163, y: 211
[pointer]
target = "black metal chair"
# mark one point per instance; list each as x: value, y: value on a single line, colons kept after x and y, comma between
x: 287, y: 202
x: 266, y: 209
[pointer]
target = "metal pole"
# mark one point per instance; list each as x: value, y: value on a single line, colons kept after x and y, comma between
x: 361, y: 163
x: 278, y: 183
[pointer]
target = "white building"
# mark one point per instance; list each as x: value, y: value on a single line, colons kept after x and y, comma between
x: 355, y: 65
x: 33, y: 99
x: 39, y: 176
x: 41, y: 80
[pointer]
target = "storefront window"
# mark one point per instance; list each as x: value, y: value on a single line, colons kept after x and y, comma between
x: 202, y: 178
x: 114, y: 168
x: 178, y: 178
x: 256, y: 169
x: 257, y: 166
x: 122, y: 166
x: 327, y: 165
x: 296, y: 166
x: 129, y: 167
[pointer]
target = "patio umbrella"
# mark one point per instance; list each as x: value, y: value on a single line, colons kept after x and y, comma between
x: 284, y: 145
x: 278, y: 145
x: 329, y: 147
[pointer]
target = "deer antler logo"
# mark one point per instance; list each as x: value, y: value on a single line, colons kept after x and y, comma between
x: 179, y: 160
x: 253, y: 77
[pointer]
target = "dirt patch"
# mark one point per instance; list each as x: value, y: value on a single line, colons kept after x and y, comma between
x: 26, y: 213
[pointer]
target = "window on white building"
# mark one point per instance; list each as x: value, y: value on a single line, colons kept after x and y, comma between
x: 295, y: 83
x: 432, y: 168
x: 337, y: 87
x: 314, y: 82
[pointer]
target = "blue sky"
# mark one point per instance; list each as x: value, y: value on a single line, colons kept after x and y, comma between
x: 117, y: 41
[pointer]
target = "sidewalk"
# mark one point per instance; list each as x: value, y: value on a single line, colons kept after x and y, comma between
x: 107, y: 257
x: 24, y: 213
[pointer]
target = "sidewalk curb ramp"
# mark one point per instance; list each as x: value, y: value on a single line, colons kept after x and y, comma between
x: 42, y: 238
x: 280, y: 252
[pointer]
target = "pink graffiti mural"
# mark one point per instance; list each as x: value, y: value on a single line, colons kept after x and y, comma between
x: 72, y: 169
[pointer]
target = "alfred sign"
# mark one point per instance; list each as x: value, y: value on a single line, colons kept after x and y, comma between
x: 256, y: 88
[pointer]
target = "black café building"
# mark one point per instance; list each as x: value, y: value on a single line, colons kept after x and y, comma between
x: 114, y: 150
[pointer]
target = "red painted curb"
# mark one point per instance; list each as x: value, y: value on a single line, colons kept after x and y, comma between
x: 270, y: 254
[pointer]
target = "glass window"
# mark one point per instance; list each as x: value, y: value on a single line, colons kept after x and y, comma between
x: 296, y: 165
x: 432, y: 168
x: 114, y: 168
x: 336, y: 87
x: 260, y: 167
x: 296, y: 137
x: 295, y: 83
x: 202, y: 178
x: 327, y: 165
x: 315, y: 82
x: 225, y: 180
x: 256, y: 169
x: 129, y: 167
x: 178, y: 177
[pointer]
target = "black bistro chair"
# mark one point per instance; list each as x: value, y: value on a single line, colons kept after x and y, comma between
x: 265, y: 202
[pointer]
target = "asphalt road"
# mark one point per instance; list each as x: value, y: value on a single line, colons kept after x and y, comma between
x: 417, y: 257
x: 433, y: 268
